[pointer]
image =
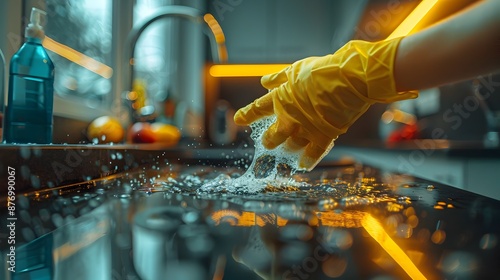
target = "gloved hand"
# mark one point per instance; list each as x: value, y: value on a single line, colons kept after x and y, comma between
x: 318, y: 98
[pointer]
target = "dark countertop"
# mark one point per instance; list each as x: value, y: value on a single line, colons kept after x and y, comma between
x: 348, y: 222
x: 43, y: 166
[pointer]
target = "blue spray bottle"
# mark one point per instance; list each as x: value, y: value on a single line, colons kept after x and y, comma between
x: 30, y: 100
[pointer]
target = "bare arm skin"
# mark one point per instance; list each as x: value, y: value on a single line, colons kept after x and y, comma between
x: 462, y: 47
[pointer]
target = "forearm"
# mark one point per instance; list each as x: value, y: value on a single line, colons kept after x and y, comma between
x: 462, y: 47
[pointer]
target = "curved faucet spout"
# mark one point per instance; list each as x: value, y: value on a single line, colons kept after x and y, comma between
x: 192, y: 14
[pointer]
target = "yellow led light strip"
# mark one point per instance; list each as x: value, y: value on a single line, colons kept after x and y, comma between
x: 78, y: 58
x: 245, y: 70
x: 377, y: 232
x: 413, y: 19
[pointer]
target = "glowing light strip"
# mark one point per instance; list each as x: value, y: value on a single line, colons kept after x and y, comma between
x: 413, y: 19
x: 377, y: 232
x: 78, y: 58
x: 245, y: 70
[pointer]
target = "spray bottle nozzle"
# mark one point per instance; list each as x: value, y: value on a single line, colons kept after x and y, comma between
x: 34, y: 28
x: 36, y: 16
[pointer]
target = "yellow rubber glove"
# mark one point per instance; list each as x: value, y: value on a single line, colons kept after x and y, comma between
x: 318, y: 98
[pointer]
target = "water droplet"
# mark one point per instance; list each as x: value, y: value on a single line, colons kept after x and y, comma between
x: 25, y: 216
x: 254, y: 206
x: 25, y: 152
x: 57, y: 219
x: 123, y: 196
x: 44, y: 214
x: 28, y: 234
x: 23, y: 202
x: 335, y: 266
x: 488, y: 242
x: 404, y: 231
x: 438, y: 236
x: 191, y: 217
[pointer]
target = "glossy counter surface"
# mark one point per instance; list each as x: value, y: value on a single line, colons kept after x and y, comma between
x: 342, y: 221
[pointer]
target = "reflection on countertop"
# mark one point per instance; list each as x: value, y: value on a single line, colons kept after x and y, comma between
x: 346, y: 222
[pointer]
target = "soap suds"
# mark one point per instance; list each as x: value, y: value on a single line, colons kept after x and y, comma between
x: 265, y: 170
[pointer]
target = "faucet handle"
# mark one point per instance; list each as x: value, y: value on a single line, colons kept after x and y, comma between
x: 492, y: 137
x: 222, y: 128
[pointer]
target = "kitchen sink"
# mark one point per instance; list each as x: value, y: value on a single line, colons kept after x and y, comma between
x: 176, y: 214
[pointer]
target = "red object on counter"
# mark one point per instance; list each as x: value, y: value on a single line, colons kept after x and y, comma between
x: 141, y: 132
x: 406, y: 132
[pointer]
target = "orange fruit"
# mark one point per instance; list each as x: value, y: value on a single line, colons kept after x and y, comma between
x: 166, y: 134
x: 105, y: 129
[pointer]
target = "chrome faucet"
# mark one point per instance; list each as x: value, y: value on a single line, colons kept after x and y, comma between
x: 215, y: 35
x: 3, y: 89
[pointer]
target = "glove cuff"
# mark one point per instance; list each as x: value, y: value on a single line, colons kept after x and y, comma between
x: 379, y: 60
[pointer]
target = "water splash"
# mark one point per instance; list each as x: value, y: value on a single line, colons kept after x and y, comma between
x: 268, y: 168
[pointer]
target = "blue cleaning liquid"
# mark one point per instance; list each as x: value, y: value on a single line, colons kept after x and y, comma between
x: 29, y: 108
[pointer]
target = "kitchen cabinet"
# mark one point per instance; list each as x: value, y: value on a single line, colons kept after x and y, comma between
x: 277, y: 31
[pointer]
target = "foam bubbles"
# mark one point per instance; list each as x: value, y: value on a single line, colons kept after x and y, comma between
x: 279, y: 153
x: 268, y: 167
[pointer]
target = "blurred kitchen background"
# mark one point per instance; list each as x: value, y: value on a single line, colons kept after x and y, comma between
x: 187, y: 71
